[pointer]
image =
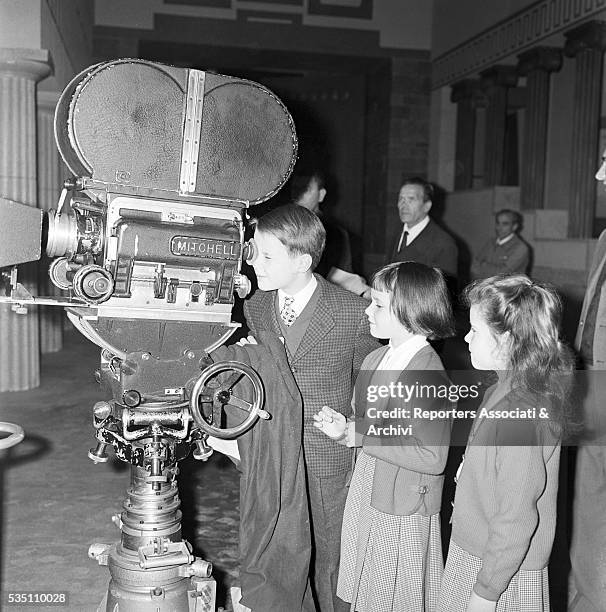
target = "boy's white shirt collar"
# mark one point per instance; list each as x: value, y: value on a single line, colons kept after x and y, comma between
x: 302, y: 297
x: 501, y: 241
x: 397, y: 358
x: 415, y: 230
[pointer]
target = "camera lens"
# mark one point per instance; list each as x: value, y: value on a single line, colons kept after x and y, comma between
x: 62, y: 234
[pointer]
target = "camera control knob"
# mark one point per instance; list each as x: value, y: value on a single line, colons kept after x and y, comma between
x: 203, y: 451
x: 195, y: 291
x: 93, y: 284
x: 101, y: 410
x: 60, y: 273
x: 242, y: 284
x: 131, y: 398
x: 98, y: 454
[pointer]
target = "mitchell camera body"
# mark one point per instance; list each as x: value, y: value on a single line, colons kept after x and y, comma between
x: 143, y: 258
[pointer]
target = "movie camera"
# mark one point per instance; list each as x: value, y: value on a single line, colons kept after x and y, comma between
x: 147, y: 242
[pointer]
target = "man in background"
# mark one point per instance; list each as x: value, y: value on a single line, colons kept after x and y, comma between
x: 587, y: 591
x: 421, y: 239
x: 309, y: 191
x: 508, y: 254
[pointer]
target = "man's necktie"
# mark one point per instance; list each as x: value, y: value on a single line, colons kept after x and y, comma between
x: 403, y: 240
x: 287, y: 314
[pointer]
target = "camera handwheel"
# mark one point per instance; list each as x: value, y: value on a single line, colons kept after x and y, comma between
x: 213, y: 392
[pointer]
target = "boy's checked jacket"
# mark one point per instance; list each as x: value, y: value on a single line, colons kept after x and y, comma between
x: 325, y: 363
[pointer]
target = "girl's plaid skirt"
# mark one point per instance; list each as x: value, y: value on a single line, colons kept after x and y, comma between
x: 528, y: 591
x: 388, y: 563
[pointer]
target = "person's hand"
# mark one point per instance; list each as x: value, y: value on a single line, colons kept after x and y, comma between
x: 247, y: 340
x: 479, y: 604
x: 331, y: 422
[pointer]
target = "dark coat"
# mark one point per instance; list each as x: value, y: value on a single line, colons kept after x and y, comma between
x: 275, y: 540
x: 432, y: 247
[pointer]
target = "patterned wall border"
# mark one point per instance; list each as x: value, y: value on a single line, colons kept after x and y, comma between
x: 511, y: 36
x: 223, y: 4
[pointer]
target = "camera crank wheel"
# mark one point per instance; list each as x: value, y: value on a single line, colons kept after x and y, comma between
x: 212, y: 393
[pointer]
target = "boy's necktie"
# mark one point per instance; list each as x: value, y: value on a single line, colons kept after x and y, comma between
x: 287, y: 314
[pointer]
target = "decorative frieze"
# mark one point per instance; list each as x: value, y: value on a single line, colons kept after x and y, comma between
x: 525, y: 29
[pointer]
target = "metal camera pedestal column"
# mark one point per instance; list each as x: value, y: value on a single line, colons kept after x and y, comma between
x: 152, y: 567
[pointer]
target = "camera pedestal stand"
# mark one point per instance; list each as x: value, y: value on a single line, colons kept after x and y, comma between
x: 152, y: 568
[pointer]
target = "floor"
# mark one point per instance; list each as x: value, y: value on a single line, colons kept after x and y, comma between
x: 56, y: 502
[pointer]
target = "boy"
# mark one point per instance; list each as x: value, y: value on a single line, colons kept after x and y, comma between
x: 327, y: 336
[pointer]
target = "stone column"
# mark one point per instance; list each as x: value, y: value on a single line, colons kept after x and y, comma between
x: 536, y: 65
x: 496, y: 81
x: 20, y: 70
x: 586, y: 44
x: 51, y: 174
x: 465, y: 95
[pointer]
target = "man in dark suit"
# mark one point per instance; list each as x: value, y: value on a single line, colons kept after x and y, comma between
x: 310, y: 192
x: 327, y: 336
x: 335, y: 265
x: 588, y: 548
x: 420, y: 238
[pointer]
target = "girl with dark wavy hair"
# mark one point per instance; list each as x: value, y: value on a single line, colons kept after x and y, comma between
x: 505, y: 505
x: 391, y: 552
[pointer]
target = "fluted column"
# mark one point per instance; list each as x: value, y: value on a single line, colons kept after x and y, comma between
x: 536, y: 65
x: 50, y: 179
x: 496, y: 81
x: 20, y: 70
x: 465, y: 94
x: 586, y: 44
